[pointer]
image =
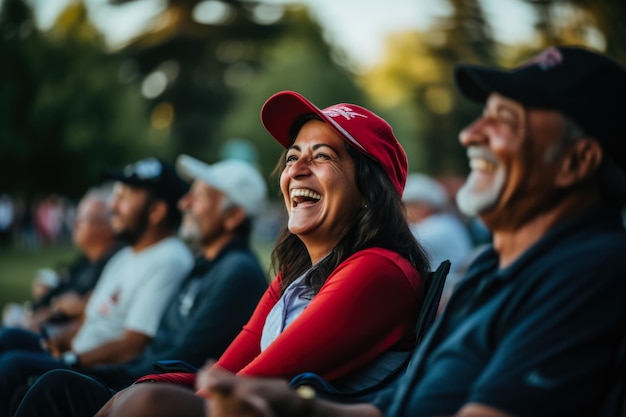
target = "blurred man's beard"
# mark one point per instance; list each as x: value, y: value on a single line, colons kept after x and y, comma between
x: 472, y: 201
x: 136, y: 227
x: 189, y: 230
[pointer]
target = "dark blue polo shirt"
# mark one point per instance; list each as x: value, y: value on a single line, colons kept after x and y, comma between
x: 537, y: 338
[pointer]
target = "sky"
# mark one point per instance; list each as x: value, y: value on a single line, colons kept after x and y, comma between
x: 357, y: 26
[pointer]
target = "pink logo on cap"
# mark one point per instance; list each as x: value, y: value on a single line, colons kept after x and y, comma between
x: 344, y: 111
x: 549, y: 58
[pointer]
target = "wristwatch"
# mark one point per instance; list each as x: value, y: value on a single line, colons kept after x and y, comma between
x: 70, y: 359
x: 306, y: 395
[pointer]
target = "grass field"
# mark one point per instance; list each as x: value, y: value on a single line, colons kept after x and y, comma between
x: 18, y: 267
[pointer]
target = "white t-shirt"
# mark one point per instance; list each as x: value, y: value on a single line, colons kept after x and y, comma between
x: 132, y: 292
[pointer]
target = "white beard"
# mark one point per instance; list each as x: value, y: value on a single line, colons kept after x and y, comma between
x: 189, y: 230
x: 473, y: 202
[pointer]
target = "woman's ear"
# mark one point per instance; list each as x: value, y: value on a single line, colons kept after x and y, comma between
x: 580, y: 162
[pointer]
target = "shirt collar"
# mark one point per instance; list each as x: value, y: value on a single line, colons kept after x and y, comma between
x: 573, y: 227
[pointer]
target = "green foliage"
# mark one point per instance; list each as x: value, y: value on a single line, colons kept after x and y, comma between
x: 64, y: 114
x: 301, y: 61
x: 596, y: 23
x: 69, y: 107
x: 414, y: 83
x: 204, y: 64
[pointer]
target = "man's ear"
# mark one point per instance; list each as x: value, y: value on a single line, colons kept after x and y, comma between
x: 158, y: 212
x: 234, y: 217
x: 580, y: 162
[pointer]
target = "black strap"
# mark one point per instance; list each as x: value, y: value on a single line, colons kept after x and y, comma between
x: 433, y: 288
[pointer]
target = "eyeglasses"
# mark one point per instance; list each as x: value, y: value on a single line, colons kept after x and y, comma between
x: 146, y: 169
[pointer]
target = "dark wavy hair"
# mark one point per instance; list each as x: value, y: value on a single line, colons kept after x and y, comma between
x: 381, y: 223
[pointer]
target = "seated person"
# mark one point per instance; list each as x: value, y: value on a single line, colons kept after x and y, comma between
x: 63, y: 294
x: 126, y: 305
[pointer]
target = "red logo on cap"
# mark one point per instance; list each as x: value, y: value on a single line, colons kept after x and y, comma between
x: 549, y: 58
x: 344, y: 111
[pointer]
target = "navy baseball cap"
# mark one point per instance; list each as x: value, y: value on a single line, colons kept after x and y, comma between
x: 154, y: 174
x: 586, y: 86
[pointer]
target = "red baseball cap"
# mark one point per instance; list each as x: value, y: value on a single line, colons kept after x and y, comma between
x: 359, y: 127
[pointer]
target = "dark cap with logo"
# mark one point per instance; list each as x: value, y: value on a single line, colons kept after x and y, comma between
x: 154, y: 174
x: 586, y: 86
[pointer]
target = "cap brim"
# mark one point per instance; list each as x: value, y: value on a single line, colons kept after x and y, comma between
x: 477, y: 83
x: 117, y: 175
x: 280, y: 112
x: 191, y: 168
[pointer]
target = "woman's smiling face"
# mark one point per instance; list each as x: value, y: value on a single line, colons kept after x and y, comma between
x: 319, y: 187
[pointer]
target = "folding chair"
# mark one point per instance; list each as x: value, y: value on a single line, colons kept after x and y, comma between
x: 364, y: 384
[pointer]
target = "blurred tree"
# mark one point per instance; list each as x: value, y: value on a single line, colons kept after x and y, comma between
x: 193, y: 58
x: 64, y: 114
x: 595, y: 23
x: 300, y: 60
x: 610, y: 16
x: 417, y: 74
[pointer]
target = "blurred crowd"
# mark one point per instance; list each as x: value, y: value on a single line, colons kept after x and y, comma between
x: 41, y: 222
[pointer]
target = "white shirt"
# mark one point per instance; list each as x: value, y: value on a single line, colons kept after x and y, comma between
x: 132, y: 292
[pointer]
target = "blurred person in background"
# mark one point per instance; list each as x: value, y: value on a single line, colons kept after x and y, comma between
x: 49, y: 219
x: 26, y: 231
x: 442, y: 233
x: 126, y: 305
x: 210, y: 307
x: 7, y: 216
x: 537, y: 325
x: 62, y: 295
